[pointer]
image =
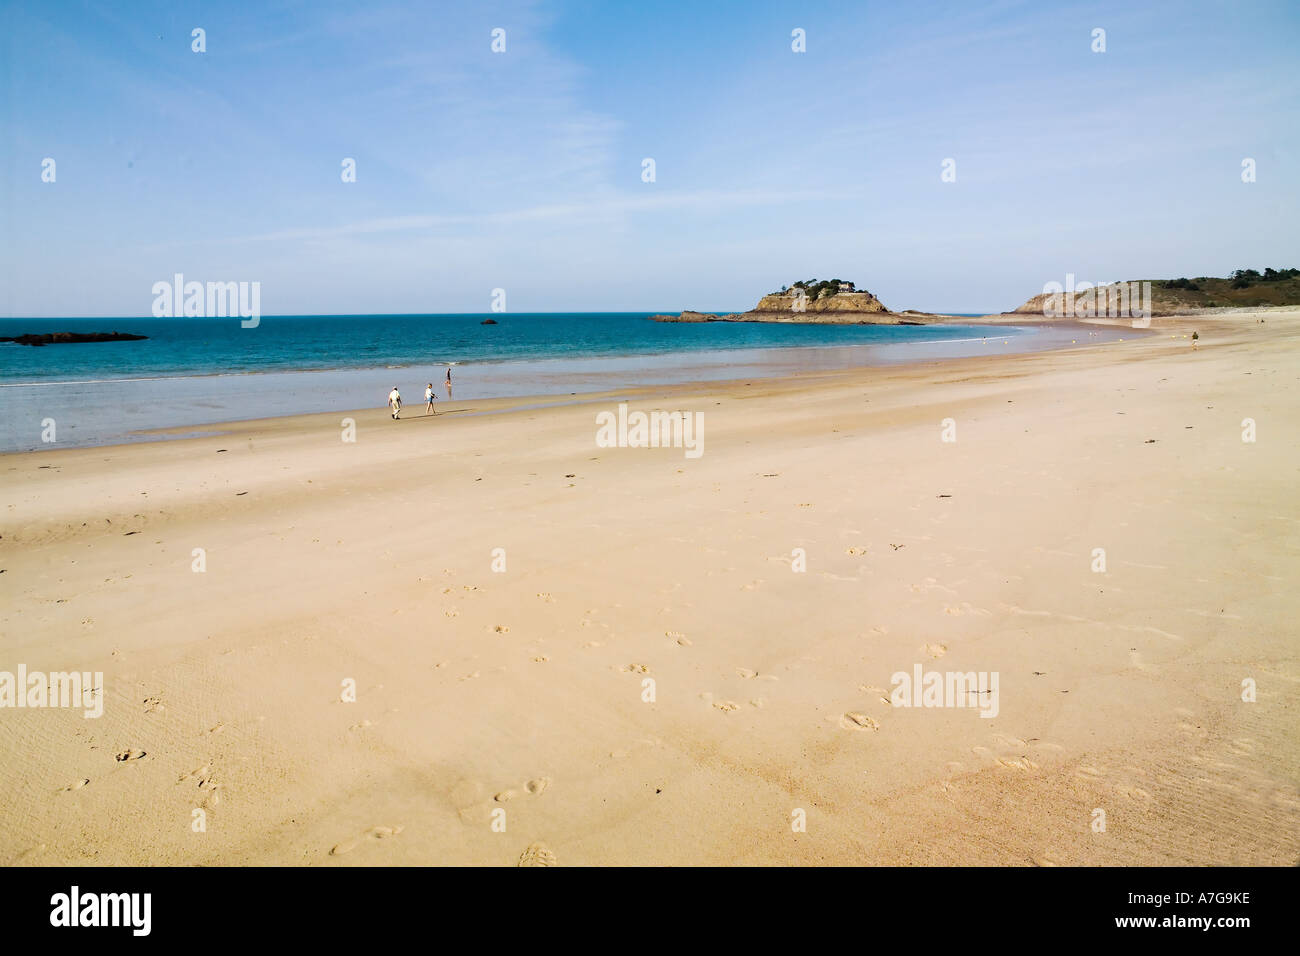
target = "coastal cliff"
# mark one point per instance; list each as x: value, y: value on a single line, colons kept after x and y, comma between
x: 1244, y: 288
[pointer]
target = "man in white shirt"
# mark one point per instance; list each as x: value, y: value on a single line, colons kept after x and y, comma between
x: 395, y: 401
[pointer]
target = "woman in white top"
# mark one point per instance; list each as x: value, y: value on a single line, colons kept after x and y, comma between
x: 428, y: 398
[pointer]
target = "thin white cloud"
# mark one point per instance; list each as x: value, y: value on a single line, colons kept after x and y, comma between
x: 602, y: 208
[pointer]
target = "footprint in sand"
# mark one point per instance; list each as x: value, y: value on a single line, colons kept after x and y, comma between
x: 855, y: 721
x: 374, y: 833
x: 540, y: 659
x: 856, y: 551
x: 538, y: 854
x: 30, y: 853
x: 1133, y: 793
x: 200, y: 772
x: 634, y: 669
x: 153, y: 705
x: 878, y: 691
x: 546, y: 597
x: 130, y: 755
x: 451, y: 612
x: 502, y: 628
x: 934, y: 650
x: 1018, y: 763
x: 365, y: 724
x: 77, y: 784
x: 726, y: 706
x: 964, y: 609
x: 746, y: 673
x: 538, y: 785
x: 505, y: 795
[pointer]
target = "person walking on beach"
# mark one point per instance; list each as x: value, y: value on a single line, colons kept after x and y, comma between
x: 428, y: 399
x: 395, y: 402
x: 449, y: 382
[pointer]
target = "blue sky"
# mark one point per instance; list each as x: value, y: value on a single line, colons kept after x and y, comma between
x: 522, y: 170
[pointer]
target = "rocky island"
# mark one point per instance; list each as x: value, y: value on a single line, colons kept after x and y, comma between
x: 819, y: 301
x: 839, y: 302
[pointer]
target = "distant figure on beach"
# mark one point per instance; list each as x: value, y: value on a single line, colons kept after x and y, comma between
x: 428, y: 399
x: 1195, y: 336
x: 448, y: 381
x: 395, y: 402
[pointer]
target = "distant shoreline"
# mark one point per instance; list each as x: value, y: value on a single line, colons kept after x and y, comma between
x: 110, y: 411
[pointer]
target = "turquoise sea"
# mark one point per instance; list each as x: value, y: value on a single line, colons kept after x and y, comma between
x: 201, y: 371
x: 178, y: 347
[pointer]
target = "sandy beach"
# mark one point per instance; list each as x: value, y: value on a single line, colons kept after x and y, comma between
x: 519, y: 679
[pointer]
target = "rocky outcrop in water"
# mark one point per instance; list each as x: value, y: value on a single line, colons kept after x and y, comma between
x: 69, y: 338
x: 841, y: 308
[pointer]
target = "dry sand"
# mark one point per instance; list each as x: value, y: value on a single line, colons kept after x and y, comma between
x: 521, y: 691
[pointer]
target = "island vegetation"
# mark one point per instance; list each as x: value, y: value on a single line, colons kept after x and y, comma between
x: 815, y: 289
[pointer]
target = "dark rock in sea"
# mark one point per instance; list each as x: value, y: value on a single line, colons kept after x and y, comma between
x: 689, y: 316
x: 67, y: 338
x: 488, y: 322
